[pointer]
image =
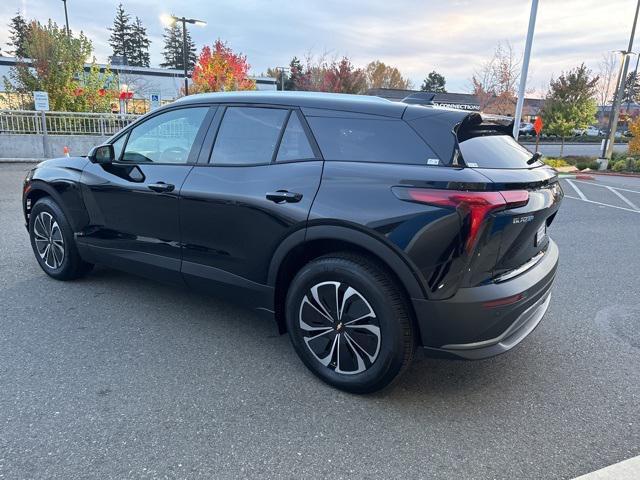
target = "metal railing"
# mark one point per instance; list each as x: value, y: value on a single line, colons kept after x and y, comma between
x: 28, y: 122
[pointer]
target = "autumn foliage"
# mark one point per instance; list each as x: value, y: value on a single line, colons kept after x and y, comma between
x: 634, y: 143
x: 220, y: 69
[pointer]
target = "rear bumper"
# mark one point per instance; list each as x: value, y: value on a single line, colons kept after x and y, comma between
x: 473, y: 324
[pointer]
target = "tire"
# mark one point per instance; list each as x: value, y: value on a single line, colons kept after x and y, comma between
x: 53, y: 242
x: 349, y: 324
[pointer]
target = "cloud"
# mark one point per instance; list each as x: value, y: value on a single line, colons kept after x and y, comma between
x: 451, y: 37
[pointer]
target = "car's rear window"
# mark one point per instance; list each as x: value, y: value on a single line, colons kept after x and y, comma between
x: 495, y: 151
x: 380, y: 140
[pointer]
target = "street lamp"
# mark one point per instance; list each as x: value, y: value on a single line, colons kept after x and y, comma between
x: 172, y: 19
x: 66, y: 16
x: 283, y: 70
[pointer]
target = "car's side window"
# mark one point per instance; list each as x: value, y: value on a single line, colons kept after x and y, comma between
x: 294, y: 144
x: 248, y: 135
x: 165, y: 138
x: 369, y: 139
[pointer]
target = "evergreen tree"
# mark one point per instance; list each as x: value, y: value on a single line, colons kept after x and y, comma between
x: 121, y: 34
x: 18, y: 33
x: 295, y: 72
x: 172, y: 52
x: 434, y: 83
x: 631, y: 89
x: 139, y: 45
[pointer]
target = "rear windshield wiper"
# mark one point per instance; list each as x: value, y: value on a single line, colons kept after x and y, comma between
x: 536, y: 156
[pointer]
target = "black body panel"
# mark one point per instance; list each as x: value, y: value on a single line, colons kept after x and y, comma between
x: 60, y: 179
x: 429, y: 236
x: 130, y: 224
x: 230, y: 230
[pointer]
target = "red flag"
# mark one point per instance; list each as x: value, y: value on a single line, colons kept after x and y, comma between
x: 537, y: 125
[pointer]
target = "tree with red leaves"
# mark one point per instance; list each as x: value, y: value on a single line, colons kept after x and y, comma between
x: 343, y: 77
x: 220, y: 69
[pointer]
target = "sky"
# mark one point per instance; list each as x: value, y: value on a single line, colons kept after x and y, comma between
x: 452, y: 37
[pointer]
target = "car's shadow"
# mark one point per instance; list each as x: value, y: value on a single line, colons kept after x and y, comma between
x: 428, y: 381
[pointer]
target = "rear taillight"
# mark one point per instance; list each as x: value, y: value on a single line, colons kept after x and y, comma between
x: 475, y: 204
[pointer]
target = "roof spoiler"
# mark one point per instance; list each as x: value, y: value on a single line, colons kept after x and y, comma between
x: 420, y: 98
x: 477, y: 125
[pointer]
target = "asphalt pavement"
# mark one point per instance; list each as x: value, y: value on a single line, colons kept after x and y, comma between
x: 114, y: 376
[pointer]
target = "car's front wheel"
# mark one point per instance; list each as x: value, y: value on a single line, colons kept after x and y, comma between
x: 349, y: 323
x: 53, y: 242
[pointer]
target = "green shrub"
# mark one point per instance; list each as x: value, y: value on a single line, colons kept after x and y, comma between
x: 555, y: 162
x: 616, y: 156
x: 575, y: 159
x: 594, y: 165
x: 620, y: 166
x: 581, y: 166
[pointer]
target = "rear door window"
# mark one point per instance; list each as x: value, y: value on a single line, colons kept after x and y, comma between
x: 294, y: 144
x: 495, y: 151
x: 373, y: 139
x: 248, y: 135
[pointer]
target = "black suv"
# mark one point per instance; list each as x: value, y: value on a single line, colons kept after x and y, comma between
x: 365, y: 227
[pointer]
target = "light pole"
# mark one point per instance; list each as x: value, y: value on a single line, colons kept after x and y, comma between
x: 170, y: 20
x: 282, y: 72
x: 607, y: 149
x: 66, y: 16
x: 525, y: 68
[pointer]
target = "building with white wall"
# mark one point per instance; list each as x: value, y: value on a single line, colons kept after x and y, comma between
x: 142, y: 81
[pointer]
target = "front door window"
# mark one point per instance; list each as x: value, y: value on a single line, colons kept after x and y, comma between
x: 165, y: 138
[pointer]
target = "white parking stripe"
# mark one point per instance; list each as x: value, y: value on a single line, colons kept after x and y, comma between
x: 573, y: 185
x: 603, y: 204
x: 625, y: 470
x: 607, y: 186
x: 624, y: 199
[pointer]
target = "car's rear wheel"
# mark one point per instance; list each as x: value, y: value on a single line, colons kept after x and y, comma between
x: 349, y: 323
x: 53, y: 242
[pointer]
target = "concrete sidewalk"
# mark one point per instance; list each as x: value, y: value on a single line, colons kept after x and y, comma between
x: 625, y: 470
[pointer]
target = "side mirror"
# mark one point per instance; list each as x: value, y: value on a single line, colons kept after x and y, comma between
x: 102, y: 154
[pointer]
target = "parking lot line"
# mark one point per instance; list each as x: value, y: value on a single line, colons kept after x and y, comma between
x: 623, y: 198
x: 578, y: 191
x: 606, y: 186
x: 603, y: 204
x: 625, y: 470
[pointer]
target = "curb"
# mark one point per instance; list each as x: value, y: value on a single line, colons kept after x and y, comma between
x: 22, y: 160
x: 616, y: 174
x: 576, y: 176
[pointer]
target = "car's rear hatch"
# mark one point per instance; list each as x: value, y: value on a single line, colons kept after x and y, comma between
x: 513, y: 234
x: 520, y: 233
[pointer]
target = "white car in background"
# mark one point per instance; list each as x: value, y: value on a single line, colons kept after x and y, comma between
x: 592, y: 131
x: 527, y: 129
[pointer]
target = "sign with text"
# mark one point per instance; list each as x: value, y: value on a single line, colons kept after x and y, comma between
x: 41, y: 100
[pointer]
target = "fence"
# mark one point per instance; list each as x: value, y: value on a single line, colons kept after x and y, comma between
x: 29, y: 134
x: 28, y: 122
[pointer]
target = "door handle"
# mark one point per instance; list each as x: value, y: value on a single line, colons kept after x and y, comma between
x: 282, y: 196
x: 161, y: 187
